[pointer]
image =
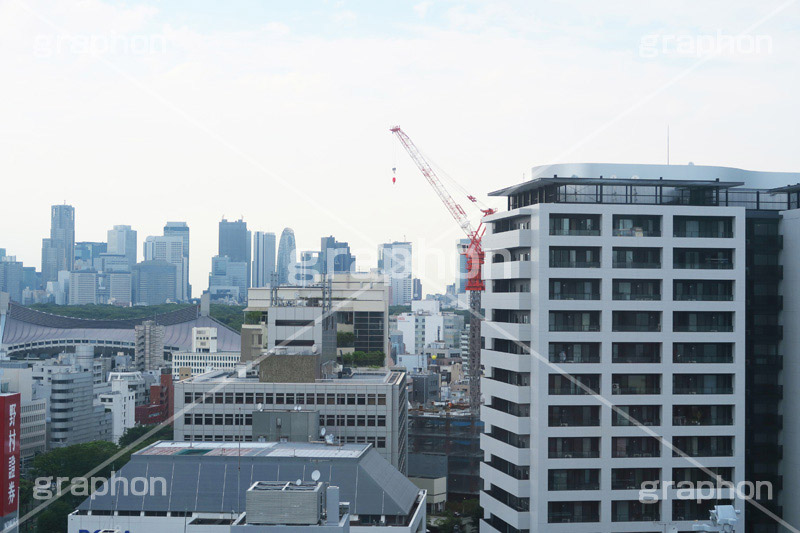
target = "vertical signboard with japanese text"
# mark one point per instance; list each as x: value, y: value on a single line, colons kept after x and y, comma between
x: 10, y: 433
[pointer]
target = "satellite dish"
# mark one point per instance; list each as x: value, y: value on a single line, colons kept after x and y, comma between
x: 315, y: 475
x: 298, y: 482
x: 260, y: 406
x: 322, y: 432
x: 329, y: 439
x: 314, y: 349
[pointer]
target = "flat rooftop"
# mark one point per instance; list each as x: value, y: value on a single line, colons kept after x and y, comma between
x: 376, y: 377
x: 256, y: 449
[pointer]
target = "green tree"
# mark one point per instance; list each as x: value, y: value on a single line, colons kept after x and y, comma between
x: 345, y: 339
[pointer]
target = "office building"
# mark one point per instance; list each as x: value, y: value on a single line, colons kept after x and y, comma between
x: 112, y: 263
x: 149, y: 353
x: 154, y: 282
x: 237, y: 491
x: 11, y: 276
x: 170, y: 249
x: 228, y: 279
x: 365, y: 407
x: 75, y: 417
x: 58, y: 251
x: 462, y: 274
x: 446, y: 443
x: 309, y: 269
x: 87, y: 253
x: 181, y: 229
x: 234, y: 242
x: 335, y: 256
x: 416, y: 289
x: 159, y: 408
x: 82, y: 287
x: 659, y: 288
x: 122, y: 240
x: 204, y: 356
x: 263, y: 258
x: 359, y: 303
x: 287, y: 258
x: 135, y: 382
x: 394, y: 262
x: 426, y: 324
x: 120, y: 403
x: 119, y: 287
x: 17, y: 377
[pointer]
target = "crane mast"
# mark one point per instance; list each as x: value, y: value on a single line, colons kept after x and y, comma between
x: 475, y: 258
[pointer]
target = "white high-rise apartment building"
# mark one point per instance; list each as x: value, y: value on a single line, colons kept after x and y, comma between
x: 394, y: 261
x: 170, y: 249
x: 634, y: 281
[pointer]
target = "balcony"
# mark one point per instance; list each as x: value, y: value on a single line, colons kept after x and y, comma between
x: 636, y: 352
x: 574, y: 321
x: 635, y: 511
x: 573, y: 479
x: 633, y: 478
x: 702, y: 352
x: 645, y: 415
x: 573, y: 447
x: 568, y: 512
x: 574, y: 352
x: 773, y: 272
x: 702, y: 321
x: 703, y: 446
x: 635, y: 384
x: 635, y: 447
x: 573, y: 416
x: 576, y: 225
x: 582, y: 384
x: 575, y: 296
x: 637, y: 226
x: 703, y: 258
x: 702, y: 415
x: 636, y: 257
x: 771, y: 302
x: 636, y: 321
x: 703, y: 227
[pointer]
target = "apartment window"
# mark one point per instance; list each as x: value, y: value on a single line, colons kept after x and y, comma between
x: 574, y: 320
x: 511, y: 346
x: 579, y: 384
x: 571, y: 352
x: 633, y: 478
x: 703, y: 290
x: 702, y: 415
x: 573, y: 479
x: 636, y: 289
x: 703, y: 446
x: 512, y: 439
x: 566, y: 512
x: 511, y: 224
x: 636, y: 415
x: 702, y: 321
x: 511, y: 254
x: 636, y: 352
x: 636, y: 257
x: 519, y: 379
x: 574, y: 289
x: 573, y: 415
x: 702, y: 352
x: 506, y: 498
x: 696, y: 475
x: 702, y: 384
x: 703, y: 258
x: 509, y: 468
x: 635, y: 511
x: 574, y: 224
x: 574, y: 257
x: 636, y: 384
x: 511, y: 286
x: 642, y: 321
x: 694, y: 510
x: 511, y: 316
x: 705, y: 227
x: 637, y: 226
x: 627, y: 447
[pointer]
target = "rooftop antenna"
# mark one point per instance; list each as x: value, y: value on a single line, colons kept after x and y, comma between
x: 667, y: 144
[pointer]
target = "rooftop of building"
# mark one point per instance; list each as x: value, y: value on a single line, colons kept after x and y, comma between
x: 214, y: 477
x: 655, y: 184
x: 366, y: 377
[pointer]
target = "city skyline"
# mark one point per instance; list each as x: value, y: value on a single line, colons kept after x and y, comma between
x: 483, y: 134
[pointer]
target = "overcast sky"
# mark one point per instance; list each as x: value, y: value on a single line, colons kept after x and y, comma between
x: 142, y: 112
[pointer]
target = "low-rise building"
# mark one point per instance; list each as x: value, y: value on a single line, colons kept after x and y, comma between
x: 213, y: 484
x: 360, y: 408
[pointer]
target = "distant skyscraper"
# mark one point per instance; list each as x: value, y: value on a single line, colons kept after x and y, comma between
x: 287, y: 256
x: 228, y: 278
x: 122, y: 241
x: 263, y: 258
x: 335, y: 256
x: 234, y: 242
x: 461, y: 279
x: 82, y: 287
x: 181, y: 229
x: 416, y: 289
x: 310, y: 265
x: 153, y: 282
x: 11, y: 276
x: 394, y: 261
x: 170, y: 249
x: 86, y: 253
x: 58, y: 252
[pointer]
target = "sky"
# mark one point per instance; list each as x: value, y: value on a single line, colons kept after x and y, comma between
x: 279, y: 112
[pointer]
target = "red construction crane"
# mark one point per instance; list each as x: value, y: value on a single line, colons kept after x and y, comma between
x: 475, y: 258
